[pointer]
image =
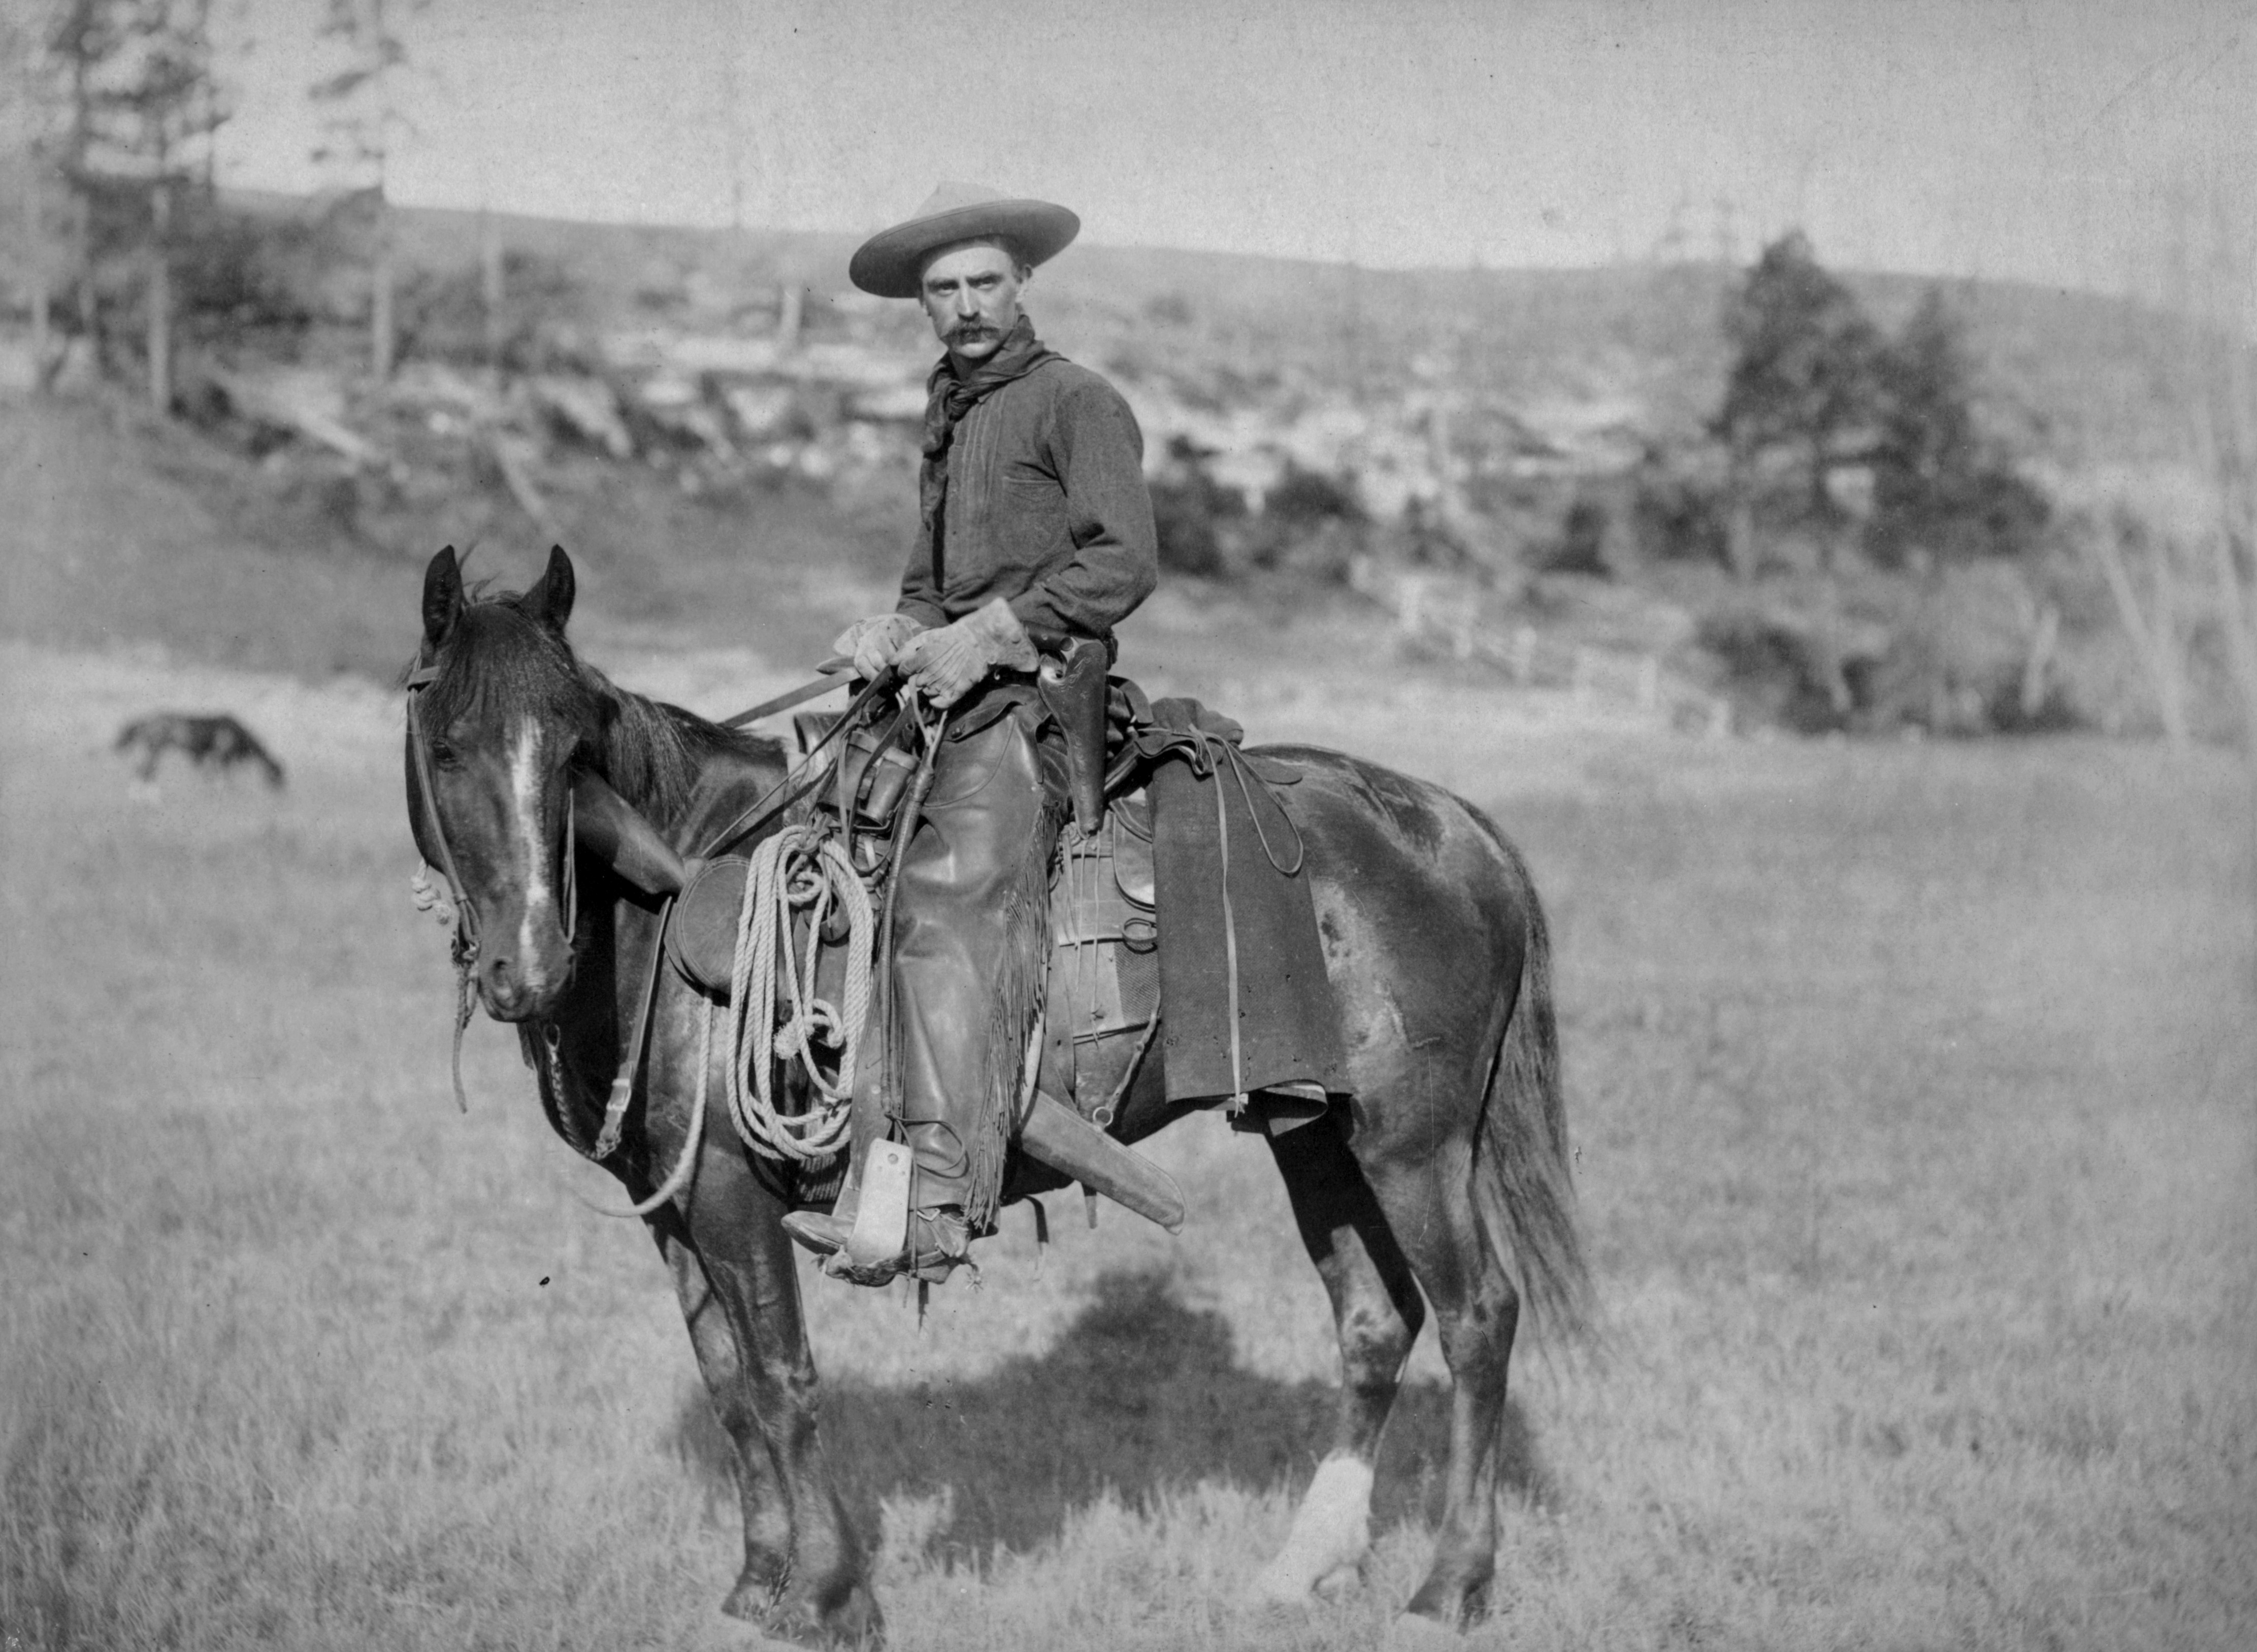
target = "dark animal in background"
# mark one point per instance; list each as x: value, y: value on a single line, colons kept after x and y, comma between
x: 216, y: 741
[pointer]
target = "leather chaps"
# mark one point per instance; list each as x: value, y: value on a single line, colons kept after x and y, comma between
x: 971, y: 943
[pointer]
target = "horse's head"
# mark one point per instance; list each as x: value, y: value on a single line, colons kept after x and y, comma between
x: 498, y: 709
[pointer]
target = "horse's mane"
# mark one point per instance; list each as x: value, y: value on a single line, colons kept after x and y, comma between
x: 650, y: 752
x: 653, y: 751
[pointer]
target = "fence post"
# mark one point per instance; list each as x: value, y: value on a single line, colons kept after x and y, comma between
x: 1524, y: 655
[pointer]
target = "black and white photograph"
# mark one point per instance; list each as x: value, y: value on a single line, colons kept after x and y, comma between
x: 1303, y: 825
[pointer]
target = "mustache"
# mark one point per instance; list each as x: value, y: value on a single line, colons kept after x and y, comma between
x: 972, y: 329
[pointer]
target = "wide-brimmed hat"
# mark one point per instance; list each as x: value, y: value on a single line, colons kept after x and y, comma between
x: 891, y: 262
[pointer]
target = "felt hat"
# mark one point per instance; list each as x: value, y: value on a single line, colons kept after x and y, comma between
x: 890, y: 263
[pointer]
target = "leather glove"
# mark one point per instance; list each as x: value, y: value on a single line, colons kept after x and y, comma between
x: 944, y: 664
x: 874, y: 642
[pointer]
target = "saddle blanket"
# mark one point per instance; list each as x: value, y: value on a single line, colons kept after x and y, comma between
x: 1245, y: 911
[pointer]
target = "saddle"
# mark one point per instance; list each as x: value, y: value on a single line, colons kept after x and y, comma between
x: 1180, y: 916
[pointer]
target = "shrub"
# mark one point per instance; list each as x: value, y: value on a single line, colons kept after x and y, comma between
x: 1188, y: 504
x: 1677, y: 515
x: 1582, y: 544
x: 234, y: 271
x: 1303, y: 497
x: 1183, y: 517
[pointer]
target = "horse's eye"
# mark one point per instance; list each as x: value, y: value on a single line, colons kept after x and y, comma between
x: 444, y: 755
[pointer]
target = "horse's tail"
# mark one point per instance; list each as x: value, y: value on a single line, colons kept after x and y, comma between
x: 1522, y: 1179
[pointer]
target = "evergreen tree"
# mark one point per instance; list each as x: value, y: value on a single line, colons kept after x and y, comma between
x: 1939, y: 490
x: 1803, y: 358
x: 361, y: 118
x: 138, y: 82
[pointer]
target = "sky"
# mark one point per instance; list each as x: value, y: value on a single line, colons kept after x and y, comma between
x: 2057, y: 141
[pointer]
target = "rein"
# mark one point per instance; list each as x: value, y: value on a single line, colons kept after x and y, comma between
x: 465, y: 946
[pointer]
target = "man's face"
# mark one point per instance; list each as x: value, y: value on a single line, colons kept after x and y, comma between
x: 971, y: 295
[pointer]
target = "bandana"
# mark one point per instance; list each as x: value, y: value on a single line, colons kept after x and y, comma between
x: 947, y: 399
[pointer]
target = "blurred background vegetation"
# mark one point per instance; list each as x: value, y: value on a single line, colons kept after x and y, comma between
x: 1834, y: 501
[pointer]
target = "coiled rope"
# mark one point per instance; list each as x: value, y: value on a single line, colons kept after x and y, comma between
x: 799, y: 867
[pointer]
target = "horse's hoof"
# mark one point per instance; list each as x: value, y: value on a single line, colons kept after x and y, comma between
x: 749, y: 1601
x: 855, y: 1625
x: 1271, y: 1592
x: 1414, y: 1632
x: 1274, y: 1592
x: 732, y: 1633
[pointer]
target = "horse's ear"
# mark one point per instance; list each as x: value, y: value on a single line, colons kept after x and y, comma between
x: 550, y: 602
x: 442, y: 597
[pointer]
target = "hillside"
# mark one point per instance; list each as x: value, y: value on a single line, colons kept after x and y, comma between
x: 725, y: 434
x: 2088, y: 373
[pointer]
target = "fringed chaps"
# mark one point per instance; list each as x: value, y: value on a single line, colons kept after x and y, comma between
x: 971, y: 947
x: 1017, y: 1011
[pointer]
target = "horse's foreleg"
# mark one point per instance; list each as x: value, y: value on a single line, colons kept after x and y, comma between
x: 1477, y: 1311
x: 1376, y: 1310
x: 759, y: 1494
x: 824, y: 1598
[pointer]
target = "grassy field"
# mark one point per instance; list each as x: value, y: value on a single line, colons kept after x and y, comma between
x: 1915, y: 1095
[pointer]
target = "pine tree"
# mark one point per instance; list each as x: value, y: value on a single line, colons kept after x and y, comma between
x: 143, y: 100
x: 1940, y: 489
x: 1802, y: 376
x: 362, y: 120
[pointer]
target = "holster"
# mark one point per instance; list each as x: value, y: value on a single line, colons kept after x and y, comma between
x: 1073, y: 689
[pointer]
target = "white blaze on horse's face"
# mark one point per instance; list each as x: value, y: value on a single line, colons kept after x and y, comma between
x: 505, y: 832
x: 526, y: 782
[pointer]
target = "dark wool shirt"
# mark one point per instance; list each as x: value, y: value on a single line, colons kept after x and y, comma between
x: 1046, y: 508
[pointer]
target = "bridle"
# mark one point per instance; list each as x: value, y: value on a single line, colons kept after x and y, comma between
x: 466, y: 920
x: 464, y: 947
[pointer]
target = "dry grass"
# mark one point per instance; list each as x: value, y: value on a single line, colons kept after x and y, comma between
x: 1914, y: 1090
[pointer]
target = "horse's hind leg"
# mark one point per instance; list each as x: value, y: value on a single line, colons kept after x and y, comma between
x: 759, y: 1494
x: 1429, y: 1204
x: 1377, y: 1313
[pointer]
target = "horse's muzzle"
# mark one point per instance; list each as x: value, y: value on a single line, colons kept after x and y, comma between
x: 514, y: 988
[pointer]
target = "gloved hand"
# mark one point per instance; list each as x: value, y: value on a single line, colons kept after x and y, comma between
x: 874, y: 642
x: 944, y: 665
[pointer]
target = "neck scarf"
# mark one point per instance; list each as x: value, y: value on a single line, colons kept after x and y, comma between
x: 948, y: 398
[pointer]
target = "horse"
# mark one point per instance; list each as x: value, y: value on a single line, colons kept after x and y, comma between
x: 212, y: 741
x: 1448, y: 1182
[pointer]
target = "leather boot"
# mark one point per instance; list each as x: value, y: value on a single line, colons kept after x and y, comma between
x: 938, y: 1241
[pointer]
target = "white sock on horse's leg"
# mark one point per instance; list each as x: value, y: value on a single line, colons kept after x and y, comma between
x: 1332, y: 1529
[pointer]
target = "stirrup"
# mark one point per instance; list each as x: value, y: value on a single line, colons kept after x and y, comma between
x: 938, y: 1243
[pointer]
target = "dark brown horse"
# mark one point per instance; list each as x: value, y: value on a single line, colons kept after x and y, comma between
x: 1448, y: 1184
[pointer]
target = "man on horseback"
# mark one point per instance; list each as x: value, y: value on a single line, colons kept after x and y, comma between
x: 1035, y: 538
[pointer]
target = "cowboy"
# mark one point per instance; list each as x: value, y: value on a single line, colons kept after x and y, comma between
x: 1035, y: 531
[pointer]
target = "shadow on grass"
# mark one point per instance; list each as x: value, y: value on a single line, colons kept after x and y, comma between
x: 1140, y: 1394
